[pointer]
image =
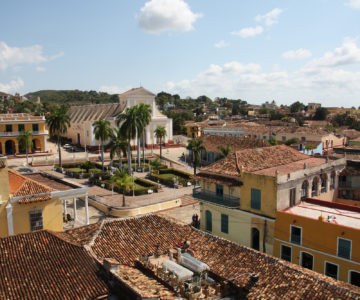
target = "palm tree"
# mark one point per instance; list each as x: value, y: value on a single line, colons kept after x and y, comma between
x: 129, y: 121
x: 225, y: 150
x: 117, y: 145
x: 196, y: 146
x: 25, y: 139
x: 123, y: 181
x: 160, y: 133
x: 102, y: 132
x: 144, y: 112
x: 58, y: 122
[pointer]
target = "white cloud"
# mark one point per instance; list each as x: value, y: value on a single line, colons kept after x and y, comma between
x: 221, y: 44
x: 347, y: 54
x: 113, y: 89
x: 249, y: 31
x: 297, y: 54
x: 40, y: 69
x: 12, y: 86
x: 353, y: 4
x: 157, y: 16
x: 234, y: 79
x: 269, y: 18
x: 12, y: 56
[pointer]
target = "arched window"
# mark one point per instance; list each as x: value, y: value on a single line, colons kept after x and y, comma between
x: 323, y: 183
x: 255, y: 239
x: 304, y: 190
x: 332, y: 180
x: 208, y: 217
x: 314, y: 187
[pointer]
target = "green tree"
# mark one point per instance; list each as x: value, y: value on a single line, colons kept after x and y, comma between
x: 129, y: 121
x: 272, y: 141
x: 296, y: 107
x: 102, y: 132
x: 117, y: 145
x: 156, y: 163
x: 144, y: 112
x: 321, y: 113
x: 225, y: 150
x: 160, y: 133
x: 196, y: 147
x: 58, y: 122
x: 24, y: 140
x: 291, y: 141
x: 123, y: 181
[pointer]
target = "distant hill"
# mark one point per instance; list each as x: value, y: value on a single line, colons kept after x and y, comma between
x: 72, y: 97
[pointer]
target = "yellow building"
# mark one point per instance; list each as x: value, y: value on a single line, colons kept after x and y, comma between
x: 240, y: 194
x: 193, y: 129
x: 11, y: 126
x: 321, y: 236
x: 28, y: 204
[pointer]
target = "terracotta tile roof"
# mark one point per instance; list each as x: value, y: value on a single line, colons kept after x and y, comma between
x: 51, y: 182
x: 125, y: 240
x: 39, y: 265
x: 212, y: 142
x: 22, y: 186
x: 253, y: 160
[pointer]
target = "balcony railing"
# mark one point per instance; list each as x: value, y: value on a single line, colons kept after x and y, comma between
x: 17, y: 133
x: 225, y: 200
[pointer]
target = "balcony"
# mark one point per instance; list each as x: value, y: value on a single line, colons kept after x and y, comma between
x: 345, y: 184
x: 211, y: 197
x: 17, y: 133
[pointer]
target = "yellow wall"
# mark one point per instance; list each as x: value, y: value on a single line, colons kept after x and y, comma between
x: 4, y: 192
x: 323, y: 239
x: 190, y: 130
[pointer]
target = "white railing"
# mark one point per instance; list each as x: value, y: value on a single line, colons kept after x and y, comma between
x: 17, y: 133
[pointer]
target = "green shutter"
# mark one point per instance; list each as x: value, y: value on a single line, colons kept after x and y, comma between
x: 224, y: 223
x: 344, y: 248
x: 255, y: 199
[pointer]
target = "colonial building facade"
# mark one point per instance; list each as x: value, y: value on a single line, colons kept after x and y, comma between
x: 83, y: 117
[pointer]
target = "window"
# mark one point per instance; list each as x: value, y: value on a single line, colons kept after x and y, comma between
x: 208, y: 217
x: 286, y: 253
x: 255, y: 239
x: 307, y: 260
x: 36, y: 220
x: 224, y: 223
x: 219, y: 190
x: 21, y: 127
x: 283, y: 138
x: 35, y: 127
x: 295, y: 234
x: 303, y: 138
x: 255, y: 199
x: 314, y: 187
x: 332, y: 181
x: 323, y: 183
x: 354, y: 278
x: 292, y: 197
x: 331, y: 270
x: 8, y: 128
x: 344, y: 248
x: 304, y: 190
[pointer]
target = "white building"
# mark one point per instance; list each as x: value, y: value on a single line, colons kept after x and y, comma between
x: 83, y: 117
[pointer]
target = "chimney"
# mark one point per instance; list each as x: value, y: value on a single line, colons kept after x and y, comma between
x: 111, y: 264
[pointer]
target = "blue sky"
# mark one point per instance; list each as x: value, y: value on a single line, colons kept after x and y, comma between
x: 254, y: 50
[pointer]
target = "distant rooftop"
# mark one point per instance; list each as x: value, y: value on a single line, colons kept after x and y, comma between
x: 343, y: 215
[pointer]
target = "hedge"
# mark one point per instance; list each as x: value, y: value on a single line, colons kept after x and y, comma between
x: 182, y: 177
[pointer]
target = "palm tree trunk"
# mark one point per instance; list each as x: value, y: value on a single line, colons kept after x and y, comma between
x: 26, y: 145
x: 59, y: 148
x: 123, y: 204
x: 102, y: 155
x: 138, y: 149
x: 160, y: 148
x: 129, y: 158
x: 143, y: 150
x: 120, y: 160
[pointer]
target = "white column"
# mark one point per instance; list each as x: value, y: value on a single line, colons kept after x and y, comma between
x: 65, y: 208
x: 148, y: 141
x: 167, y: 133
x: 153, y: 108
x: 45, y: 144
x: 75, y: 212
x: 128, y: 103
x: 134, y: 102
x: 86, y: 209
x: 10, y: 219
x: 171, y: 129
